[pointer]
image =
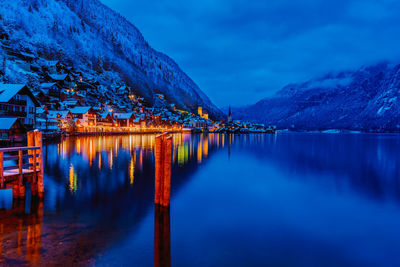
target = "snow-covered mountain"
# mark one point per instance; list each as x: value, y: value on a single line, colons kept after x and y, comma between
x: 91, y: 37
x: 367, y: 99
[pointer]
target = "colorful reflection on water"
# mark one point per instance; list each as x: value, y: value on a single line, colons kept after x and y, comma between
x: 91, y: 183
x: 236, y: 200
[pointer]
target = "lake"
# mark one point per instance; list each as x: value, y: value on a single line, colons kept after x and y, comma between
x: 291, y: 199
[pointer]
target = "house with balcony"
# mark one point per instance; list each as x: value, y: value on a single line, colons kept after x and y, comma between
x: 139, y: 121
x: 52, y: 89
x: 74, y: 96
x: 86, y: 116
x: 11, y: 130
x: 59, y: 119
x: 63, y: 80
x: 85, y: 87
x: 51, y: 66
x: 124, y: 119
x: 105, y: 119
x: 17, y: 101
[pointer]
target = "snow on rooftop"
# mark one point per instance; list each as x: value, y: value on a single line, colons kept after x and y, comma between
x: 104, y: 115
x: 50, y: 62
x: 40, y: 110
x: 80, y: 110
x: 123, y: 115
x: 7, y: 91
x: 28, y: 55
x: 47, y: 85
x: 58, y: 77
x: 7, y: 123
x: 70, y: 99
x: 63, y: 113
x: 54, y: 114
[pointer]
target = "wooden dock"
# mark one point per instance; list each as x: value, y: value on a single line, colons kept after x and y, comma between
x: 20, y: 165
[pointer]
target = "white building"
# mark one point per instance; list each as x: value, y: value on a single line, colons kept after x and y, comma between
x: 17, y: 101
x: 86, y: 115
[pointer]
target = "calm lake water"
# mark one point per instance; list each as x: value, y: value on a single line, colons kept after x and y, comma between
x: 239, y: 200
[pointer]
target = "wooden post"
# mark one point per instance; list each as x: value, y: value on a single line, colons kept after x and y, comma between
x: 167, y: 171
x: 158, y: 169
x: 32, y: 162
x: 162, y: 237
x: 31, y: 153
x: 1, y: 170
x: 163, y: 151
x: 31, y: 142
x: 20, y: 163
x: 38, y: 143
x: 20, y: 189
x: 34, y: 183
x: 34, y: 165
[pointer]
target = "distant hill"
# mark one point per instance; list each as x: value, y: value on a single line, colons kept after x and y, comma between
x: 94, y: 39
x: 367, y: 99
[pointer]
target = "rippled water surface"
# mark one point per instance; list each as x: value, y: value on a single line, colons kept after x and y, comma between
x: 236, y: 200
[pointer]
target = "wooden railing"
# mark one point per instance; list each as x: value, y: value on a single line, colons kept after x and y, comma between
x: 20, y: 167
x: 25, y: 162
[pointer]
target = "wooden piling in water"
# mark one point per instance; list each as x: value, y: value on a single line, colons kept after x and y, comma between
x: 20, y: 188
x: 163, y: 151
x: 162, y: 195
x: 158, y: 169
x: 162, y: 237
x: 1, y: 169
x: 39, y: 143
x: 167, y: 171
x: 32, y: 162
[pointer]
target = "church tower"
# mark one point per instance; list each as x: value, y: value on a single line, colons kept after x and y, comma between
x: 229, y: 115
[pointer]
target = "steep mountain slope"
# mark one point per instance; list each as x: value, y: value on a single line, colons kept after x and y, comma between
x: 90, y: 36
x: 366, y: 99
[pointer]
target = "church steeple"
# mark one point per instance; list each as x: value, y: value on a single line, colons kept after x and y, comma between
x: 229, y: 115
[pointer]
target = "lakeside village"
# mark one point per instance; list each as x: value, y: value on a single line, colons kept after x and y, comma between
x: 69, y: 102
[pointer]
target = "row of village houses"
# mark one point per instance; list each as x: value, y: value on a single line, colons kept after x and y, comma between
x: 87, y: 119
x: 62, y: 89
x: 68, y: 100
x: 61, y: 102
x: 20, y: 111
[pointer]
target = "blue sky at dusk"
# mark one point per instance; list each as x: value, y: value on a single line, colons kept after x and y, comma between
x: 239, y: 51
